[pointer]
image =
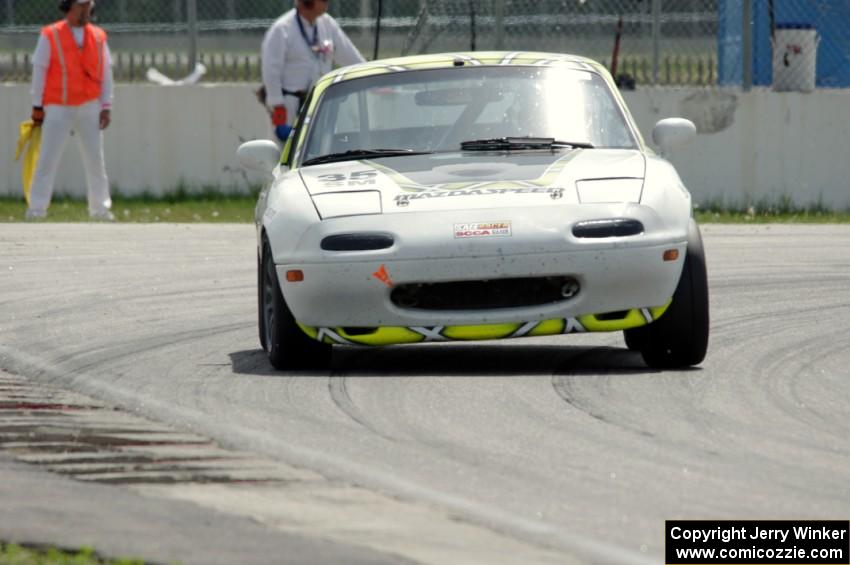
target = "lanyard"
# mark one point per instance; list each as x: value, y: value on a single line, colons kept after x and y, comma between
x: 314, y: 44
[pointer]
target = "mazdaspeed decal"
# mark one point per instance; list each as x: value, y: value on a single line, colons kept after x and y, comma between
x: 404, y: 199
x: 482, y: 229
x: 391, y: 335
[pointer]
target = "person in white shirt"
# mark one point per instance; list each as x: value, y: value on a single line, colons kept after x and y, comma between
x: 72, y: 88
x: 301, y: 46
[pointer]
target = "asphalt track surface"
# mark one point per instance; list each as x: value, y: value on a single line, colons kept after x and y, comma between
x: 566, y: 446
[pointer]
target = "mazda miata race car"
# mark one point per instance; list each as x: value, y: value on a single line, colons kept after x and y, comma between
x: 474, y: 196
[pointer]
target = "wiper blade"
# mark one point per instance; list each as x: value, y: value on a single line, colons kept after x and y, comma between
x: 513, y: 143
x: 357, y: 153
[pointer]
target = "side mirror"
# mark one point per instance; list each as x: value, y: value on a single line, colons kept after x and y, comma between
x: 261, y: 155
x: 671, y: 133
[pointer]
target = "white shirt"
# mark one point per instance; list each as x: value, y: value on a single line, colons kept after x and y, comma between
x: 289, y: 62
x: 41, y: 61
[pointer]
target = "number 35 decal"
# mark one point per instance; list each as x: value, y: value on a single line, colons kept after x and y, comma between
x: 356, y: 178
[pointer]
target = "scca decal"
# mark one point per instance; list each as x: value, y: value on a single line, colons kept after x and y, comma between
x: 482, y: 229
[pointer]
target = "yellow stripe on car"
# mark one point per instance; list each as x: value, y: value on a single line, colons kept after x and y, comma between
x: 392, y: 335
x: 490, y: 331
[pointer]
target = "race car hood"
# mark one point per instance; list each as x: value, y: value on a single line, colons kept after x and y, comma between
x: 445, y: 181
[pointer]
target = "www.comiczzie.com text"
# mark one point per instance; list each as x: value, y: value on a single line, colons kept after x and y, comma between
x: 815, y: 542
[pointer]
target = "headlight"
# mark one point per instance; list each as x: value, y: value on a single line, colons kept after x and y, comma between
x: 334, y: 204
x: 597, y: 191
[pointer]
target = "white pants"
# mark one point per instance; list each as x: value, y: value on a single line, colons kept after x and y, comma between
x: 57, y: 126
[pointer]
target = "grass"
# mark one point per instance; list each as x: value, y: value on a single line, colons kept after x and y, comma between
x: 782, y: 210
x: 744, y: 217
x: 209, y: 207
x: 203, y: 208
x: 11, y: 554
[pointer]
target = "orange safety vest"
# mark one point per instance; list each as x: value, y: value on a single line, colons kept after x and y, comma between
x: 74, y: 75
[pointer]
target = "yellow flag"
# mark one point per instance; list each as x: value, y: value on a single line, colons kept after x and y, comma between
x: 29, y: 143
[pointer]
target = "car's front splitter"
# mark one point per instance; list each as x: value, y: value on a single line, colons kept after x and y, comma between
x: 392, y: 335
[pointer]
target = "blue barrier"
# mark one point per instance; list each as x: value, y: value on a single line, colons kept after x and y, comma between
x: 829, y: 17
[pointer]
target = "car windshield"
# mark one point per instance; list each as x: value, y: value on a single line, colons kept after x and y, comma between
x: 437, y: 110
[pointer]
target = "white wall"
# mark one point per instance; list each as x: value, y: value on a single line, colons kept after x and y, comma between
x: 757, y: 147
x: 160, y: 137
x: 760, y: 146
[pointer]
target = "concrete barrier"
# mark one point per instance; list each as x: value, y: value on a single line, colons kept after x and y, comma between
x: 758, y: 147
x: 161, y: 139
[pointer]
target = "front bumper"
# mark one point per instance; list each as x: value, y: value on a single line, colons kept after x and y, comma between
x: 353, y: 294
x: 352, y: 289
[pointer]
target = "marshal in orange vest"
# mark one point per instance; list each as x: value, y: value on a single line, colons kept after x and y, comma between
x: 75, y: 75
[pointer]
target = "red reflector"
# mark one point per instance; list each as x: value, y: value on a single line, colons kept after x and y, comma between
x: 294, y: 276
x: 671, y: 254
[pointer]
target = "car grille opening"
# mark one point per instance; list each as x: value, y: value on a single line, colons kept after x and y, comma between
x: 485, y: 294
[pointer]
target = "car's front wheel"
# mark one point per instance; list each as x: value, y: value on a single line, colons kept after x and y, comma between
x: 288, y: 347
x: 679, y: 338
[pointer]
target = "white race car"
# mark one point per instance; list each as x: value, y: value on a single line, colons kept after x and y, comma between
x: 474, y: 196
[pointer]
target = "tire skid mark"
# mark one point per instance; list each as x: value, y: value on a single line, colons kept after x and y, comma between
x: 92, y: 299
x: 112, y: 353
x: 778, y: 370
x: 563, y: 385
x: 791, y: 314
x: 624, y: 364
x: 563, y: 388
x: 837, y: 421
x: 338, y: 389
x: 776, y: 359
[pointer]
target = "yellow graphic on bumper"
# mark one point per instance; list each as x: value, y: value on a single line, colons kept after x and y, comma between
x: 390, y: 335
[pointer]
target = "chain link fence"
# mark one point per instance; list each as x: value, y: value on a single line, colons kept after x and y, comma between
x: 794, y: 45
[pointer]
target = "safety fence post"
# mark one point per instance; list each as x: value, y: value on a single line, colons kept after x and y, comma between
x: 747, y: 45
x: 500, y: 24
x: 192, y: 20
x: 656, y: 39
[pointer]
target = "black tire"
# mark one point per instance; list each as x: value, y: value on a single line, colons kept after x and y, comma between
x: 679, y: 338
x: 261, y: 319
x: 634, y: 339
x: 287, y: 345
